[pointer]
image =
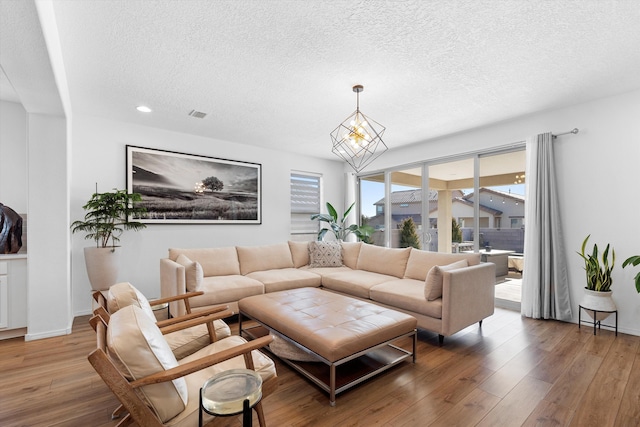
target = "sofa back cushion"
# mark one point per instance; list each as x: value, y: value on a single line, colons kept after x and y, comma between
x: 420, y: 262
x: 138, y: 349
x: 299, y: 253
x: 214, y: 261
x: 261, y: 258
x: 389, y: 261
x: 124, y: 294
x: 350, y: 252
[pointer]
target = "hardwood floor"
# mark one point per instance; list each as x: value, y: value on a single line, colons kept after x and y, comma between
x: 512, y: 372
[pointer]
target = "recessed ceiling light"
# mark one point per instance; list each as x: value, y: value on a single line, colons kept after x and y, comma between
x: 143, y: 109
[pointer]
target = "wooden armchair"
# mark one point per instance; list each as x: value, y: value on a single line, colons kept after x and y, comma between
x: 183, y: 340
x: 138, y: 366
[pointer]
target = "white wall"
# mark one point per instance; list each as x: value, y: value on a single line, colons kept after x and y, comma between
x: 99, y: 156
x: 49, y: 286
x: 13, y: 156
x: 598, y: 174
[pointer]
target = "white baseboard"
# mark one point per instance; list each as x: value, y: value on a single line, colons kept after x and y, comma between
x: 83, y: 313
x: 47, y: 334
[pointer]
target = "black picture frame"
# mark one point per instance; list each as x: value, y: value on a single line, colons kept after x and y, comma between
x: 180, y: 188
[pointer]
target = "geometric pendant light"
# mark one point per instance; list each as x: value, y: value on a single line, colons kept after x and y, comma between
x: 358, y: 139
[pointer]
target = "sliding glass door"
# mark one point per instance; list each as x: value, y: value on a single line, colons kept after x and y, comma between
x: 451, y: 215
x: 463, y: 204
x: 406, y: 209
x: 372, y: 206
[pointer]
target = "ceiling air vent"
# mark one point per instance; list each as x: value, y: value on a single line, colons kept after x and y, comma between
x: 197, y: 114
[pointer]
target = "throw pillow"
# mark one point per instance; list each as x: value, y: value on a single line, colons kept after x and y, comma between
x: 325, y: 254
x: 192, y: 271
x: 433, y: 283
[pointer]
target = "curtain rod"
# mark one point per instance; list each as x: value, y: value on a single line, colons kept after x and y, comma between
x: 573, y: 131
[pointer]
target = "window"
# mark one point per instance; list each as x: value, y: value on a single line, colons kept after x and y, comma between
x: 517, y: 222
x: 305, y: 201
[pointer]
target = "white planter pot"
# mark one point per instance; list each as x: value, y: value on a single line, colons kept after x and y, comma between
x: 102, y: 267
x: 599, y: 301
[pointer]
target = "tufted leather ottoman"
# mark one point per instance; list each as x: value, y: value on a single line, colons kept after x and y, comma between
x: 350, y: 338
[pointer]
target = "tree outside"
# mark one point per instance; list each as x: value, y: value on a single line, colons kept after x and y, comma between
x: 409, y: 235
x: 456, y: 231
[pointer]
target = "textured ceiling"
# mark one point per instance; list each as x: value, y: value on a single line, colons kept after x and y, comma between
x: 24, y: 61
x: 279, y: 73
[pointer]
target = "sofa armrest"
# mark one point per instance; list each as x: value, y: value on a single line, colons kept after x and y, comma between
x: 468, y: 296
x: 172, y: 283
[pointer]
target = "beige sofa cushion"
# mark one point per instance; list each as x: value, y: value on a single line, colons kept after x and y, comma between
x: 192, y: 271
x: 350, y: 252
x: 354, y: 282
x: 390, y: 261
x: 324, y: 271
x: 420, y: 262
x: 261, y: 258
x: 406, y: 294
x: 226, y: 289
x: 125, y: 294
x: 299, y: 253
x: 214, y: 261
x: 139, y: 349
x: 433, y: 283
x: 286, y: 278
x: 325, y: 254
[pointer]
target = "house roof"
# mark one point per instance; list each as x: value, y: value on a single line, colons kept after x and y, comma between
x: 485, y: 208
x: 512, y: 196
x: 415, y: 196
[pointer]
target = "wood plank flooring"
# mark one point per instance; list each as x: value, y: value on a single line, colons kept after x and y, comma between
x: 511, y: 372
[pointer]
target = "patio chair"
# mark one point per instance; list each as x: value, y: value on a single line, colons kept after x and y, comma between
x: 136, y: 363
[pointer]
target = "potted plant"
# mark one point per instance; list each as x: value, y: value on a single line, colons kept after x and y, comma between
x: 633, y: 260
x: 106, y: 219
x: 339, y: 228
x: 598, y: 292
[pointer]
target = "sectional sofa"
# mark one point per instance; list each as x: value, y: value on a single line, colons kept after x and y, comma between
x: 444, y: 292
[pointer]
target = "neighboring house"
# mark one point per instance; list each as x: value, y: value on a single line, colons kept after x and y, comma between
x: 497, y: 209
x: 510, y: 207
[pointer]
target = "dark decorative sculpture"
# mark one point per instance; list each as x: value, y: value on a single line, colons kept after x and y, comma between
x: 10, y: 230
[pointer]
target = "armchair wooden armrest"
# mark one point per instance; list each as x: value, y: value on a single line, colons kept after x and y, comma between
x: 219, y: 309
x: 175, y: 298
x: 188, y: 323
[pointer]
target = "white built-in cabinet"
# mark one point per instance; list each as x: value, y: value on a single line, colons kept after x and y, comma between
x: 4, y: 303
x: 13, y: 296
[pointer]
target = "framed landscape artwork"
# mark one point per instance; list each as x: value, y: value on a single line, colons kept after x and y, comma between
x: 179, y: 188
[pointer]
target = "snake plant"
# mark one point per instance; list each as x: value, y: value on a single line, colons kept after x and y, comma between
x: 598, y: 270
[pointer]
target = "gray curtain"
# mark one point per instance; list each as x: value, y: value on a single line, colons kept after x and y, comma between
x: 545, y: 288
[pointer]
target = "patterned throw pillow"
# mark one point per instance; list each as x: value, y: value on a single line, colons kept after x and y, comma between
x: 325, y: 254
